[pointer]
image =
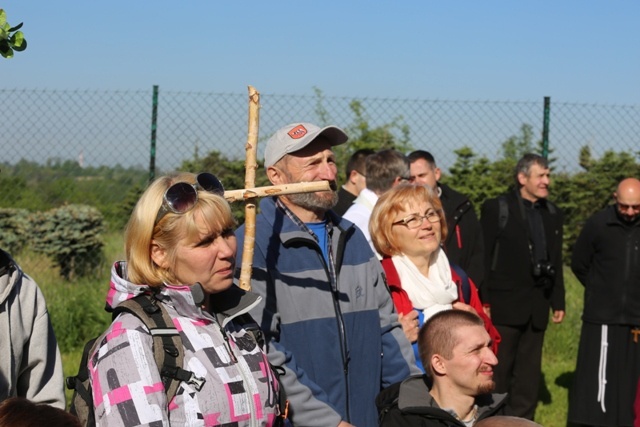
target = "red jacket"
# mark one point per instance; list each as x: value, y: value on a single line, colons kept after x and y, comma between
x: 404, y: 305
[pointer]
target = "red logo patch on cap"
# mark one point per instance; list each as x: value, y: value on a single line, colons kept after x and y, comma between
x: 297, y: 132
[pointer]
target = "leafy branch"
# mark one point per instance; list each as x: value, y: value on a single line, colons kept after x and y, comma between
x: 11, y: 39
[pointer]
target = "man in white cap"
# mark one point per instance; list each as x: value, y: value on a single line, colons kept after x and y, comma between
x: 326, y: 311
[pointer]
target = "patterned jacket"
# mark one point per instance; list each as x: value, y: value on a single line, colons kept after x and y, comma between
x: 240, y: 388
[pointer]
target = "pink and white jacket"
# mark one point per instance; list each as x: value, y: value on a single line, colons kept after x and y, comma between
x: 240, y: 387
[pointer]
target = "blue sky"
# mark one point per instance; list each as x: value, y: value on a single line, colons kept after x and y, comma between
x: 574, y: 51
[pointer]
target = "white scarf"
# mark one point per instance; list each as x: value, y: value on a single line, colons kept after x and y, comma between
x: 430, y: 294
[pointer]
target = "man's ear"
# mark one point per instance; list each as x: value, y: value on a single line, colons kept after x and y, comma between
x: 438, y: 173
x: 438, y: 364
x: 275, y: 175
x: 159, y: 255
x: 396, y: 181
x: 522, y: 179
x: 353, y: 176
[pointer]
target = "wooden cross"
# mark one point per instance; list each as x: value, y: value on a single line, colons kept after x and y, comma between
x: 251, y: 193
x: 635, y: 332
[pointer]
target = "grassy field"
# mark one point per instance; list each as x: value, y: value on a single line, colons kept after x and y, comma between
x: 77, y: 313
x: 559, y: 358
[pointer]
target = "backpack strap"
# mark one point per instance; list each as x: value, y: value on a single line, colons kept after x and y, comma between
x: 503, y: 217
x: 82, y: 399
x: 167, y: 344
x: 464, y: 285
x: 503, y: 213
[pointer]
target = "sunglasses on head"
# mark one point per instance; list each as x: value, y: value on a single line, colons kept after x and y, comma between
x: 181, y: 197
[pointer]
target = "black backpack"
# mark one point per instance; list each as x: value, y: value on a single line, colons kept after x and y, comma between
x: 167, y: 352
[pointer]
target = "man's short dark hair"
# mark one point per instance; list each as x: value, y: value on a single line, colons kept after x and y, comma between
x: 438, y: 334
x: 424, y: 155
x: 357, y: 161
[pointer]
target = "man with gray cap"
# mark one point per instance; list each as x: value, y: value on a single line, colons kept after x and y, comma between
x: 326, y: 312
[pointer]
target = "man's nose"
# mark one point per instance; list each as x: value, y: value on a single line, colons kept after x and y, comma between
x: 328, y: 171
x: 490, y: 357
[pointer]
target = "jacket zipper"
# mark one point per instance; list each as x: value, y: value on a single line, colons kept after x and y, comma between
x: 341, y: 331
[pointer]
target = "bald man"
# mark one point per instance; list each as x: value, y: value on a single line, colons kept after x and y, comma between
x: 606, y: 260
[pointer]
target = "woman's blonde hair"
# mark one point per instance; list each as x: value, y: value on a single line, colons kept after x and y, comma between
x: 390, y: 204
x: 142, y: 232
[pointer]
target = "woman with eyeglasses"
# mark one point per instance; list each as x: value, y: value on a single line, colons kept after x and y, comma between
x: 180, y: 250
x: 407, y: 228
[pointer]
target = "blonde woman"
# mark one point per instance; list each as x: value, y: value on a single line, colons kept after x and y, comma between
x: 180, y: 248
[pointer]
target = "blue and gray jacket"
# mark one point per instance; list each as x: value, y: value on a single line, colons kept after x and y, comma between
x: 336, y: 335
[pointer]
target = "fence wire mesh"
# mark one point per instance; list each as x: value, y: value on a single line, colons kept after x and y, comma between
x: 113, y: 128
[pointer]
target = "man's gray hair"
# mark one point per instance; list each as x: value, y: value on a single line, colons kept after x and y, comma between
x: 525, y: 163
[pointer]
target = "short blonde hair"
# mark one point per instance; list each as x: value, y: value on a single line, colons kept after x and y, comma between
x: 390, y: 204
x: 142, y: 232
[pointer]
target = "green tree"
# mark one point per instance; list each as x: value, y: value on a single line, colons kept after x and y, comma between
x: 583, y: 193
x: 476, y: 177
x: 11, y: 39
x: 35, y: 187
x: 71, y: 236
x: 481, y: 179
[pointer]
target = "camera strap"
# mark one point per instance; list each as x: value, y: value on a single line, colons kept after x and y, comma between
x: 534, y: 230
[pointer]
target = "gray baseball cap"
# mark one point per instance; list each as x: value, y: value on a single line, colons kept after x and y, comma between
x: 295, y: 137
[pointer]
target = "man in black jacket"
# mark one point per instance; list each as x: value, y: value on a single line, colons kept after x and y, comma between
x: 464, y: 244
x: 606, y: 260
x: 523, y: 260
x: 356, y: 180
x: 455, y: 350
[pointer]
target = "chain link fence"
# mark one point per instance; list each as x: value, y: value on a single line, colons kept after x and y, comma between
x: 113, y: 128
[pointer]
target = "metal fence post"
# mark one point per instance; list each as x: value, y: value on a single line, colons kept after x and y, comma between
x: 545, y: 127
x: 154, y: 126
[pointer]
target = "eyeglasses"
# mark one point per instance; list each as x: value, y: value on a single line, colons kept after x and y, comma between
x: 181, y: 197
x: 414, y: 221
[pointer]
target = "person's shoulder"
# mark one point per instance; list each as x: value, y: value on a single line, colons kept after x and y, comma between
x: 493, y: 202
x: 391, y: 394
x: 552, y: 206
x: 607, y: 213
x: 452, y: 194
x: 265, y: 218
x: 603, y: 217
x: 17, y: 281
